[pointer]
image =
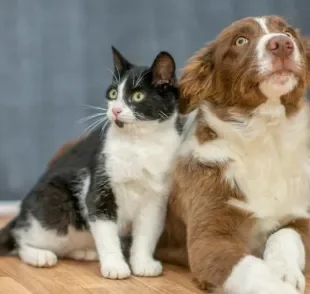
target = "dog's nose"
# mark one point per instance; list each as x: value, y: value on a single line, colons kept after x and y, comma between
x: 280, y: 46
x: 116, y: 111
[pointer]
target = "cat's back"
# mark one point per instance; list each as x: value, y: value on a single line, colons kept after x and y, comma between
x: 83, y: 152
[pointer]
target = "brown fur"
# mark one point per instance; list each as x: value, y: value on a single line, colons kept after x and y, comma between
x: 217, y: 234
x: 226, y: 77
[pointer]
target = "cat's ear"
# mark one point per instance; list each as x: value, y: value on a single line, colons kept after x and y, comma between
x: 120, y: 63
x: 163, y: 69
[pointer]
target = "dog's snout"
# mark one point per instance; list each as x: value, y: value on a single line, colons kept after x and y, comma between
x: 280, y: 46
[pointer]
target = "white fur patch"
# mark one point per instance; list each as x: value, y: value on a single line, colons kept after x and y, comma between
x: 84, y: 254
x: 285, y: 256
x: 147, y: 227
x: 38, y: 238
x: 139, y: 160
x: 252, y: 276
x: 37, y: 257
x: 112, y: 262
x: 268, y: 158
x: 263, y: 24
x: 277, y: 85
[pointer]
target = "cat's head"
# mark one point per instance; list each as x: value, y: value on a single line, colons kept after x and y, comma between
x: 141, y: 94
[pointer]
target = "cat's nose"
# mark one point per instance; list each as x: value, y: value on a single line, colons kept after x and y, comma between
x: 116, y: 111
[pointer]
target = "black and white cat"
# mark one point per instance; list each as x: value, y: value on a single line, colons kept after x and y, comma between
x: 112, y: 179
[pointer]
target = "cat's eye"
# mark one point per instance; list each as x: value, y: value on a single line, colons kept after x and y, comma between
x: 112, y: 94
x: 138, y: 96
x: 241, y: 41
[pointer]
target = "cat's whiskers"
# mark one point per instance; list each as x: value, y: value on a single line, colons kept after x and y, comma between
x: 103, y: 127
x: 137, y: 81
x: 95, y: 107
x: 92, y: 117
x: 140, y: 78
x: 117, y: 79
x: 139, y: 115
x: 93, y: 125
x: 162, y: 115
x: 119, y: 76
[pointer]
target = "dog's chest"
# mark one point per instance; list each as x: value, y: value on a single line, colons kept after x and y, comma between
x: 273, y: 173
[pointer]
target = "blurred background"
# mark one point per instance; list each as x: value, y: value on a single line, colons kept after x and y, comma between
x: 55, y: 56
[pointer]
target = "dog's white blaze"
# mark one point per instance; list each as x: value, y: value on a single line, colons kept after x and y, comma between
x: 263, y: 24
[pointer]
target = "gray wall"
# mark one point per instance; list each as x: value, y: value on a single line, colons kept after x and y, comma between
x: 54, y: 56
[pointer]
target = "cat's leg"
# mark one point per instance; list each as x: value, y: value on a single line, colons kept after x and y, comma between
x: 36, y: 245
x: 37, y: 257
x: 147, y: 228
x: 102, y: 214
x: 112, y: 261
x: 83, y: 254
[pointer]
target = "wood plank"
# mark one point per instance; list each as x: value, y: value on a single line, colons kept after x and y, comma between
x: 9, y: 285
x: 84, y: 278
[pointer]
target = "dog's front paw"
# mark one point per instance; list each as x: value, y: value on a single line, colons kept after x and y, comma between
x: 253, y: 276
x: 289, y: 274
x: 114, y: 268
x: 146, y: 267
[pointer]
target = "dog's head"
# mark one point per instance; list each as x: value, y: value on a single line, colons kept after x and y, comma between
x: 252, y: 60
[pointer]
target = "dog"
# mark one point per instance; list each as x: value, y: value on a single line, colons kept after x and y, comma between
x: 238, y: 214
x: 240, y: 200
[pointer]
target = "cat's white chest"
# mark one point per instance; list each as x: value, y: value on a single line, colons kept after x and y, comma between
x: 138, y: 165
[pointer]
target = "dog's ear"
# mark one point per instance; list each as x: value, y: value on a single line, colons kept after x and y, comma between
x: 306, y: 44
x: 196, y: 80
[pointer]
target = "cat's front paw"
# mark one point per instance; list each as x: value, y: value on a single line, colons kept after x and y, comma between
x: 146, y: 267
x: 113, y: 268
x: 84, y: 254
x: 289, y: 274
x: 37, y: 257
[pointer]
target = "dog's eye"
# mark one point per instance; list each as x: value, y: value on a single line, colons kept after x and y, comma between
x: 241, y: 41
x: 289, y: 34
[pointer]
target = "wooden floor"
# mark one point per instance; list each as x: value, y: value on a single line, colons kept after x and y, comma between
x: 84, y: 277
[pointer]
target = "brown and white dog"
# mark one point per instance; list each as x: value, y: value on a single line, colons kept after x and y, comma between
x: 239, y: 208
x: 241, y: 195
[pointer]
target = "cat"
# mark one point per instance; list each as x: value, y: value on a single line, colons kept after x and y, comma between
x: 113, y: 180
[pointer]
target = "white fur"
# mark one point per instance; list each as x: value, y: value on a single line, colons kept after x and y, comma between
x: 252, y: 276
x: 139, y: 159
x: 40, y: 247
x: 285, y: 256
x: 263, y: 24
x: 276, y: 85
x: 113, y: 264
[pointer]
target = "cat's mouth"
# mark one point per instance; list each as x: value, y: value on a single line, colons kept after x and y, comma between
x: 120, y: 124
